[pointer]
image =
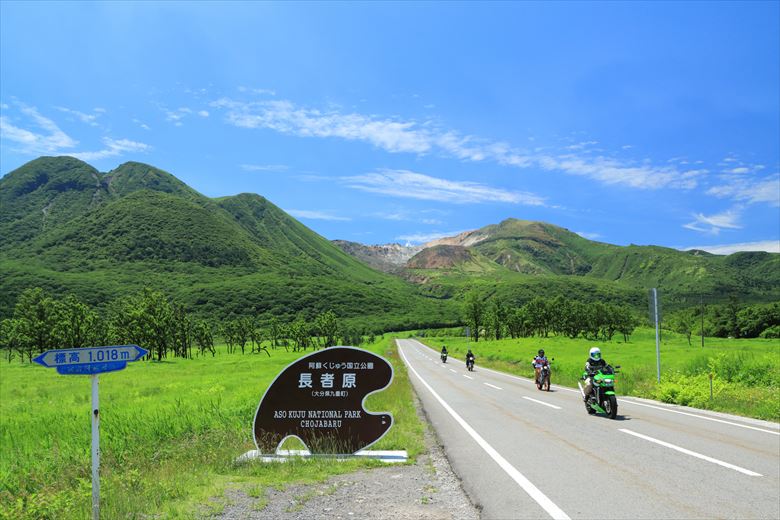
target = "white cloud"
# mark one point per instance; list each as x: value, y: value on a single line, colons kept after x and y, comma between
x: 176, y: 116
x: 403, y: 183
x: 432, y: 221
x: 113, y: 148
x: 264, y: 167
x: 203, y: 113
x: 421, y: 137
x: 739, y: 170
x: 712, y: 224
x: 421, y: 238
x: 90, y: 119
x: 141, y: 124
x: 258, y: 91
x: 751, y: 191
x: 315, y: 215
x: 770, y: 246
x: 589, y: 236
x: 51, y: 140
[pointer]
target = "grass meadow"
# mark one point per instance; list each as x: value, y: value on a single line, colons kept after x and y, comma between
x: 746, y: 372
x: 170, y: 432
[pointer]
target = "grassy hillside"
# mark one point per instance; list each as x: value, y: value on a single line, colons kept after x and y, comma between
x: 551, y: 259
x: 102, y: 236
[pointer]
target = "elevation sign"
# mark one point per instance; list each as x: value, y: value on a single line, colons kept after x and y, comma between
x: 95, y: 360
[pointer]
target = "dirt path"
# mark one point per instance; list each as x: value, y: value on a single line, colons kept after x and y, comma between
x: 426, y: 490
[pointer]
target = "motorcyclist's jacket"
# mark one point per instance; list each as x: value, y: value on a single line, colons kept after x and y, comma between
x: 444, y: 350
x: 540, y: 361
x: 469, y: 357
x: 591, y: 366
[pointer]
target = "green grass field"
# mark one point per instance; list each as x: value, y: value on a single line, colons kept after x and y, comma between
x: 746, y: 371
x: 170, y: 432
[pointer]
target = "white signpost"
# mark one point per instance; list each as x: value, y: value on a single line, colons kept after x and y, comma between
x: 91, y: 362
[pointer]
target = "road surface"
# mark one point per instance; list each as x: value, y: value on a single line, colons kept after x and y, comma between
x: 523, y: 453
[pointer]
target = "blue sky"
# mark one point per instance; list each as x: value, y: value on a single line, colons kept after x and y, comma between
x: 646, y: 123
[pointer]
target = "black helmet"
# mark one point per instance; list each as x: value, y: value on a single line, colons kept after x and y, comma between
x: 541, y: 352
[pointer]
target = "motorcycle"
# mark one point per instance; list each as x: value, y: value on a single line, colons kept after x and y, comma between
x: 543, y: 380
x: 602, y: 397
x: 443, y: 357
x: 470, y: 364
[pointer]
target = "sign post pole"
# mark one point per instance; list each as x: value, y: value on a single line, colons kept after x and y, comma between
x: 657, y: 335
x: 95, y: 449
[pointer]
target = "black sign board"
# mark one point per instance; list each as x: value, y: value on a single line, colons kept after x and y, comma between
x: 319, y: 399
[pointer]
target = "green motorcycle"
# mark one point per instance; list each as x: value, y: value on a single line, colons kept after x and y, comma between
x: 602, y: 396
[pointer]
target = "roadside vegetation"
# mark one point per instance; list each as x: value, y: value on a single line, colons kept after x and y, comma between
x: 170, y: 433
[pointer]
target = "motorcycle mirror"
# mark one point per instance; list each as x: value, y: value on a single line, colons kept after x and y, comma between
x: 617, y: 366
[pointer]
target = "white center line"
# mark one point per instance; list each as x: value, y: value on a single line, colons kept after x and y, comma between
x: 542, y: 402
x: 692, y: 453
x: 630, y: 401
x: 464, y: 375
x: 454, y: 371
x: 493, y: 386
x: 533, y: 491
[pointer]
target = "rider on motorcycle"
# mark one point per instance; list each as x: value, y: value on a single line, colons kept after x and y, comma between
x: 594, y: 363
x: 444, y: 350
x: 469, y: 357
x: 539, y: 361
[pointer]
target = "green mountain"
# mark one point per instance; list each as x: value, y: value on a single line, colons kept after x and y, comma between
x: 521, y: 251
x: 69, y: 228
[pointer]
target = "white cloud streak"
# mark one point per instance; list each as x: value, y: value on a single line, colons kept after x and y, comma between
x: 407, y: 184
x: 90, y: 119
x: 589, y: 236
x: 770, y: 246
x: 750, y: 191
x: 264, y: 167
x: 315, y: 215
x: 113, y: 148
x: 422, y: 137
x: 712, y: 224
x: 51, y: 140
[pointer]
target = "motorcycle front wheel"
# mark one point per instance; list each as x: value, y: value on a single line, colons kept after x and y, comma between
x: 610, y: 406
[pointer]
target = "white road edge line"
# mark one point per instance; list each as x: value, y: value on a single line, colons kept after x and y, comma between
x: 493, y: 386
x: 630, y: 401
x: 534, y: 492
x: 542, y: 402
x: 464, y: 375
x: 692, y: 453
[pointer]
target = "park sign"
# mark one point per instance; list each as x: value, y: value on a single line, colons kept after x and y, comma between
x: 319, y: 399
x: 88, y: 361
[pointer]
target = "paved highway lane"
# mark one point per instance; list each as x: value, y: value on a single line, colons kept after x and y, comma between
x: 523, y: 453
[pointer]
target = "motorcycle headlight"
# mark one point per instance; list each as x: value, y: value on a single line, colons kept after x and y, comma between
x: 608, y: 381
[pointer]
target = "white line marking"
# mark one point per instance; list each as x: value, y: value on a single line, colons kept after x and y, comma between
x: 464, y: 375
x: 692, y: 453
x: 454, y: 371
x: 493, y: 386
x: 542, y: 402
x: 540, y: 498
x: 700, y: 417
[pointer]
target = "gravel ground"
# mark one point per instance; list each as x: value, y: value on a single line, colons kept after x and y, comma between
x: 426, y: 490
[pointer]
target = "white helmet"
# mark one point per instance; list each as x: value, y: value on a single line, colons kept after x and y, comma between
x: 595, y: 354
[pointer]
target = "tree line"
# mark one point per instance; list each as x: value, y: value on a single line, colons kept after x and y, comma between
x: 729, y: 320
x: 492, y: 318
x: 155, y: 322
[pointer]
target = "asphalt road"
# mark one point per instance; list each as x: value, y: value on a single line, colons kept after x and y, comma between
x: 524, y: 453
